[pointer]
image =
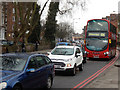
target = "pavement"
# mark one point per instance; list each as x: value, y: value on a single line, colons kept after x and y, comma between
x: 109, y: 78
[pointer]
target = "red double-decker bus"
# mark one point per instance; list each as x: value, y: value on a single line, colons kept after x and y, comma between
x: 100, y: 39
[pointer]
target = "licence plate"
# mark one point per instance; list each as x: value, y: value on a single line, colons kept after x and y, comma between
x: 57, y: 66
x: 96, y: 56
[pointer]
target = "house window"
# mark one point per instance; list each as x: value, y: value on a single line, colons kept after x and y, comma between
x: 2, y: 34
x: 13, y: 19
x: 13, y: 27
x: 5, y: 20
x: 13, y: 10
x: 2, y: 18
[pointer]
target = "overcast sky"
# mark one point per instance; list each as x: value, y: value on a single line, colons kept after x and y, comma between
x: 95, y: 9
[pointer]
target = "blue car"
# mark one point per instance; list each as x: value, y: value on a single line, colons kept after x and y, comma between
x: 23, y: 71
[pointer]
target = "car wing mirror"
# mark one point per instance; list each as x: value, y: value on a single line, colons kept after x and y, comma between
x: 78, y: 54
x: 31, y: 70
x: 48, y: 53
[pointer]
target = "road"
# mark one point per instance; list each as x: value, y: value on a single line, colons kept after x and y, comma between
x: 64, y: 80
x: 92, y: 69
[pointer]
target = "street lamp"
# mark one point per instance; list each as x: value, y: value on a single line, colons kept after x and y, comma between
x: 75, y: 22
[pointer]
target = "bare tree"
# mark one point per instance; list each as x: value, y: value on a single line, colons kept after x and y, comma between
x: 64, y: 30
x: 25, y: 14
x: 68, y: 6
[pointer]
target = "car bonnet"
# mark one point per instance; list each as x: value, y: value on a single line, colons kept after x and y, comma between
x: 7, y: 75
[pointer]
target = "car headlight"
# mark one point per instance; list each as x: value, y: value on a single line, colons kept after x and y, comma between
x: 68, y: 65
x: 3, y: 85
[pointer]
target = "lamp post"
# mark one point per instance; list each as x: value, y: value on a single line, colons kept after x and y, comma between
x: 74, y: 22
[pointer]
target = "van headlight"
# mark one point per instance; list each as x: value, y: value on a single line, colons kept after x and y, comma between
x: 3, y: 85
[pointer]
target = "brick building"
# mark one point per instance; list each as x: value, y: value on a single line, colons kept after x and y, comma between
x: 2, y: 28
x: 8, y: 12
x: 114, y: 19
x: 9, y: 18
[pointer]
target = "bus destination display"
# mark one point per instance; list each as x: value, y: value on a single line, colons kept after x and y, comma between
x: 96, y: 34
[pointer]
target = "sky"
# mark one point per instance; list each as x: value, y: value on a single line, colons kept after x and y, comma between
x: 95, y: 9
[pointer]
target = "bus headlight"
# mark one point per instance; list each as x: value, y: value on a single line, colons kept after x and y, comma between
x: 85, y: 52
x: 106, y: 53
x: 3, y: 85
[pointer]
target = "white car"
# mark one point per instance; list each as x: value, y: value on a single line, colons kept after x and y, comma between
x: 67, y: 58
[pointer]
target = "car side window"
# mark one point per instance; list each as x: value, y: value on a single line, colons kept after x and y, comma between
x: 47, y: 60
x: 77, y: 50
x: 32, y: 63
x: 40, y: 61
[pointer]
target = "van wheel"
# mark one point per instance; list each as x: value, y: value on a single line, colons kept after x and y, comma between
x: 81, y: 67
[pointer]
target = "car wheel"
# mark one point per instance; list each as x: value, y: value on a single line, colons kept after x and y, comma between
x: 17, y: 87
x: 81, y: 67
x: 73, y: 71
x: 49, y: 83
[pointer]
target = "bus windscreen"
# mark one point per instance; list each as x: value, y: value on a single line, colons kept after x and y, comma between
x: 97, y: 25
x: 96, y: 44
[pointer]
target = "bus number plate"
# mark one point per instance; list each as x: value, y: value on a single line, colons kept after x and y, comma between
x: 96, y: 56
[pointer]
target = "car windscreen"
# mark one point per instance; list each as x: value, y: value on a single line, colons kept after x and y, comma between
x: 63, y: 51
x: 12, y: 63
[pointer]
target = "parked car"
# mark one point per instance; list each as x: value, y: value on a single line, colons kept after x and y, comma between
x: 67, y: 58
x: 63, y: 44
x: 21, y: 71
